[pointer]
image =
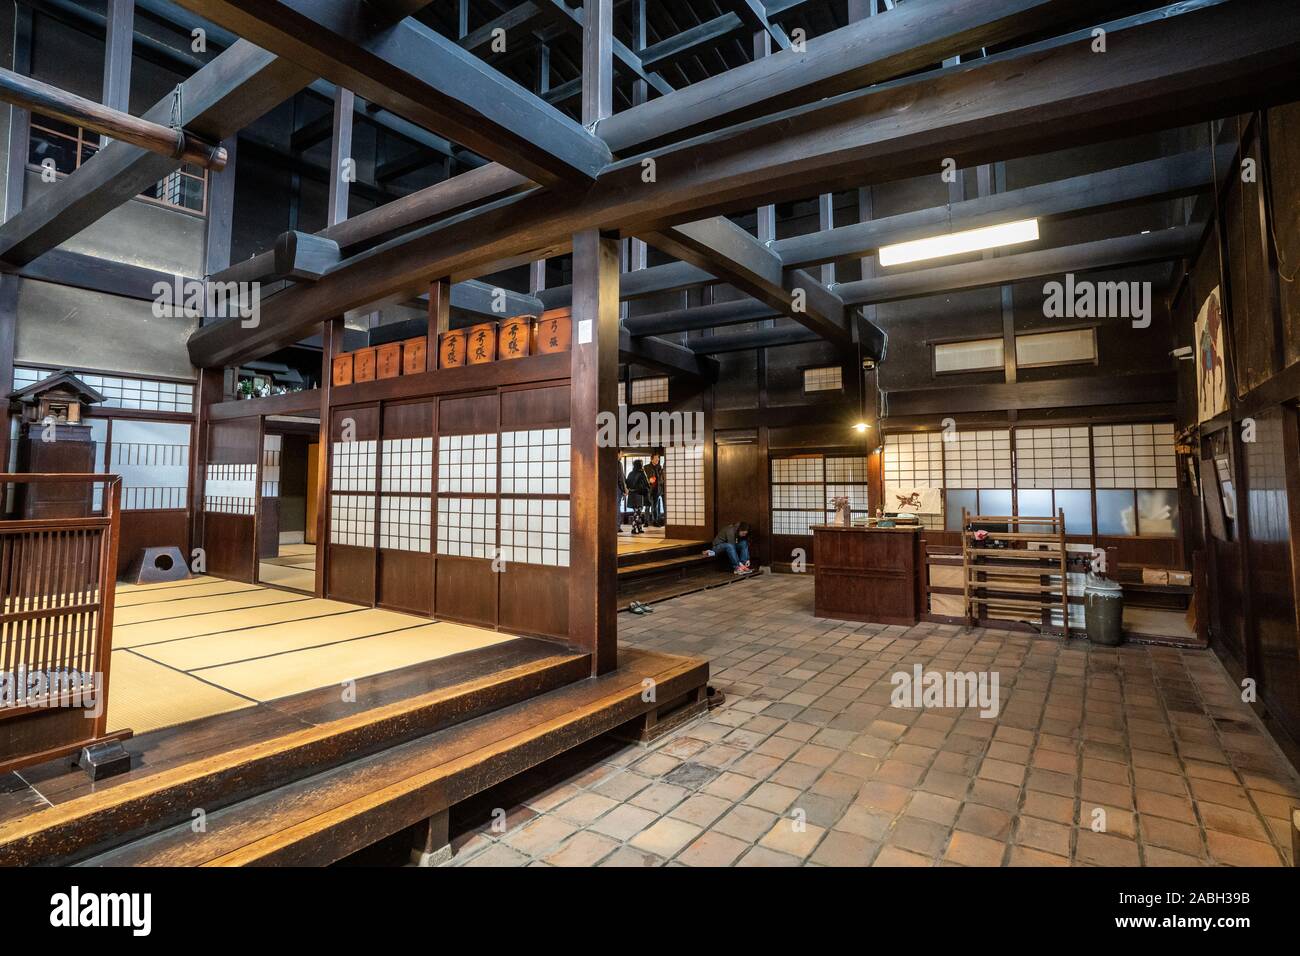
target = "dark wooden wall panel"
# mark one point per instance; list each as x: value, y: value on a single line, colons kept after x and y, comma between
x: 469, y: 415
x: 535, y: 407
x: 534, y: 600
x: 1271, y: 576
x: 405, y: 581
x: 351, y: 574
x: 151, y: 529
x: 741, y: 489
x: 467, y: 591
x: 228, y: 541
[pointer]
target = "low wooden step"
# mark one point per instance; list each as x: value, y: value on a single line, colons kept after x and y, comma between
x: 676, y: 549
x: 142, y: 802
x: 674, y: 565
x: 324, y: 818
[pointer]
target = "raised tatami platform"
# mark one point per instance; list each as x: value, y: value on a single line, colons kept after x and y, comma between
x: 195, y: 648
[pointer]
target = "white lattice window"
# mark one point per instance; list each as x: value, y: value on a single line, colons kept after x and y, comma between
x: 535, y: 531
x: 650, y: 391
x: 153, y: 459
x: 684, y: 479
x: 230, y: 489
x: 404, y: 523
x: 796, y: 522
x: 807, y: 468
x: 120, y: 392
x: 1053, y: 457
x: 977, y: 459
x: 352, y: 466
x: 536, y: 461
x: 272, y: 448
x: 407, y: 465
x: 913, y: 460
x: 467, y: 464
x: 828, y: 378
x: 1135, y: 456
x: 352, y: 520
x: 467, y: 527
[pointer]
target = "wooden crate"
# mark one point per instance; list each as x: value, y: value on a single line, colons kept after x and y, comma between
x: 451, y: 349
x: 514, y: 340
x: 554, y: 331
x: 415, y: 354
x: 388, y: 360
x: 342, y: 370
x: 481, y: 343
x: 363, y: 365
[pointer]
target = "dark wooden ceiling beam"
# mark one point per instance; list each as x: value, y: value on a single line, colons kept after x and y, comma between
x: 1165, y: 245
x: 674, y: 48
x: 700, y: 317
x: 422, y: 75
x: 232, y: 91
x: 731, y: 254
x: 758, y: 339
x: 666, y: 356
x: 912, y: 37
x: 1157, y: 179
x: 1185, y: 63
x: 755, y: 13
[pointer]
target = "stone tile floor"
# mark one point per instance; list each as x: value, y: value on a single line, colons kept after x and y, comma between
x: 1112, y: 757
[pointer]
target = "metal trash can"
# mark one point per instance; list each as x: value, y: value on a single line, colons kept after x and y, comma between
x: 1103, y: 611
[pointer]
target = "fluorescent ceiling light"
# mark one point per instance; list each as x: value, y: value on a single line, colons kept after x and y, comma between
x: 957, y: 243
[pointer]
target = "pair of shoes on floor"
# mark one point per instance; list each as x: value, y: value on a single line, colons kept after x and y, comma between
x: 743, y: 569
x: 636, y: 607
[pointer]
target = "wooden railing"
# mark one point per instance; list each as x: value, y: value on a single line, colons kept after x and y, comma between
x: 57, y: 584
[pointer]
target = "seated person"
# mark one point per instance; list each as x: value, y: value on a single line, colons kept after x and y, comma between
x: 732, y: 543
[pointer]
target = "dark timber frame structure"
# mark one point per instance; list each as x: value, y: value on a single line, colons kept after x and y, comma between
x: 643, y: 167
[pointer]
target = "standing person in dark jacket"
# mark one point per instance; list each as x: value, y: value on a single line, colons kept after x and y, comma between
x: 654, y: 473
x: 622, y: 494
x: 732, y: 543
x: 638, y: 494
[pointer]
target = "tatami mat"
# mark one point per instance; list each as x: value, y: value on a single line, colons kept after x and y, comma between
x: 260, y: 642
x: 281, y: 576
x: 125, y: 588
x: 298, y: 608
x: 177, y: 660
x: 163, y: 610
x: 270, y: 677
x: 145, y: 696
x: 191, y: 589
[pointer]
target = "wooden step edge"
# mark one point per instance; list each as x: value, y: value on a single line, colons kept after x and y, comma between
x: 93, y: 822
x: 637, y: 558
x: 330, y: 836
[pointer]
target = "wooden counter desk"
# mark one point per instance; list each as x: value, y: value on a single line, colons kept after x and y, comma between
x: 868, y: 574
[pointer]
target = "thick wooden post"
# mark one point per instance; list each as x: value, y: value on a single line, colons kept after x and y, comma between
x: 331, y: 345
x: 593, y: 607
x: 593, y: 556
x: 439, y: 318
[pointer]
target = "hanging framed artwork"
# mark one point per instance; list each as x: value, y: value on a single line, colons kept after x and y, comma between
x: 1211, y: 373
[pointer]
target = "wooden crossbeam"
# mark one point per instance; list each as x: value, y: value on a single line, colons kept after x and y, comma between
x: 422, y: 75
x: 1163, y: 246
x: 236, y: 88
x: 1186, y: 63
x: 1163, y: 178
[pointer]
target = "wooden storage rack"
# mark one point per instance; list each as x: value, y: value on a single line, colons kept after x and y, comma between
x: 1017, y: 578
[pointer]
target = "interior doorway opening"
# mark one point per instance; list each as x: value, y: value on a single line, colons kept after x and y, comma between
x: 286, y: 545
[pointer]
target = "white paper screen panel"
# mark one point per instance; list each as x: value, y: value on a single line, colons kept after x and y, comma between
x: 467, y: 527
x: 352, y: 520
x: 535, y: 531
x: 352, y: 466
x: 407, y: 465
x: 1135, y: 456
x: 913, y: 460
x: 650, y: 391
x: 467, y: 464
x: 1053, y: 457
x: 230, y: 489
x: 978, y: 459
x: 798, y: 469
x: 153, y: 459
x: 684, y: 478
x: 535, y: 462
x: 404, y: 523
x: 272, y: 447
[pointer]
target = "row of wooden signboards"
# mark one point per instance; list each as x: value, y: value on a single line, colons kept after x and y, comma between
x: 513, y: 338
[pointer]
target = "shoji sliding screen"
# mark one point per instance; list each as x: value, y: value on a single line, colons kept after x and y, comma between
x: 353, y: 463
